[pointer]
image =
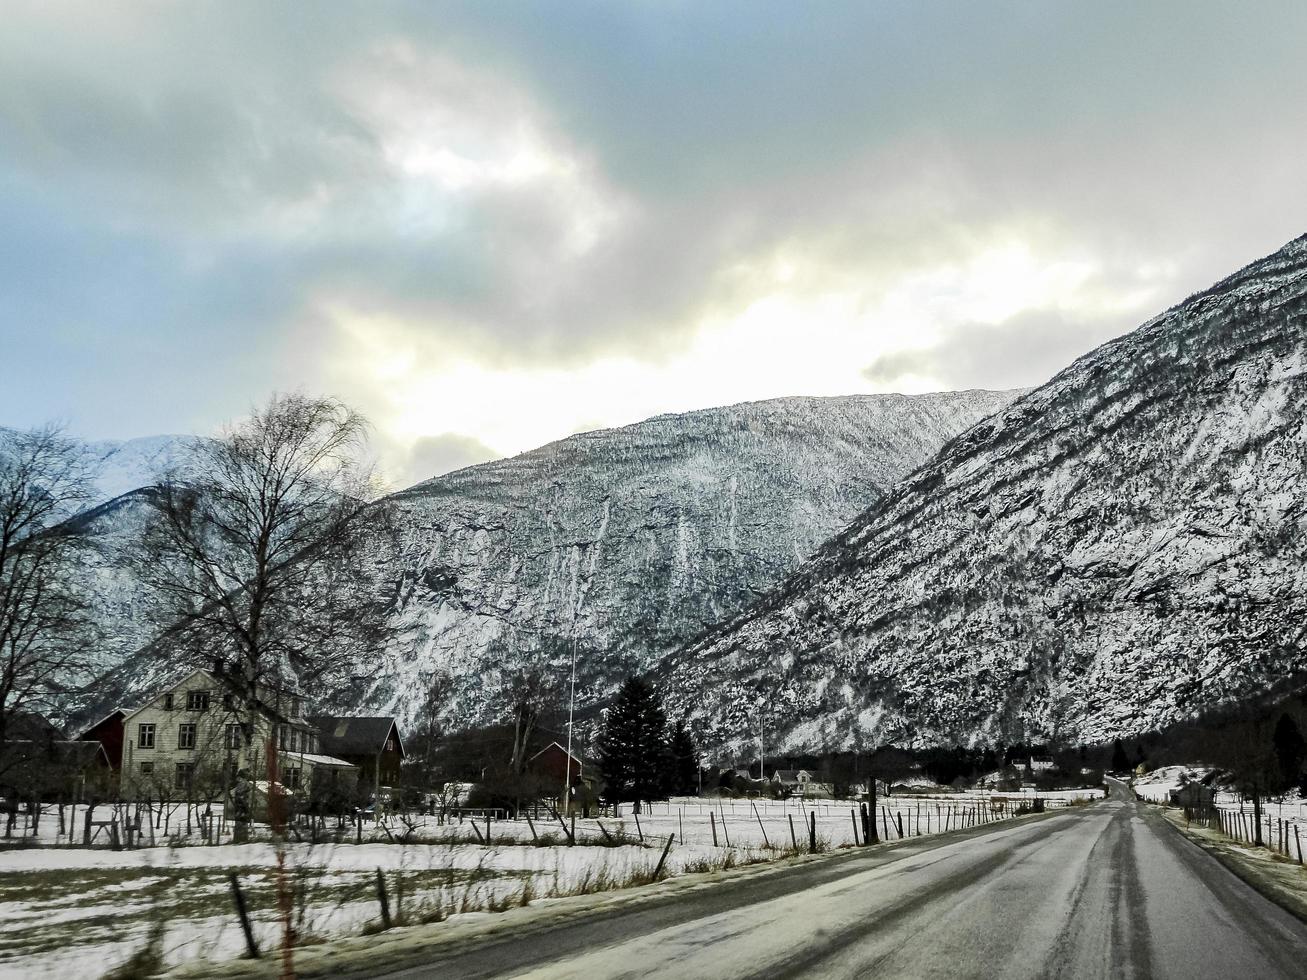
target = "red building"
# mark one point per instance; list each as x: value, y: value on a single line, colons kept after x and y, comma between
x: 108, y: 731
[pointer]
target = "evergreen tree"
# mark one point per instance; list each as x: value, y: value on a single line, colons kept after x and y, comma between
x: 685, y: 760
x: 1120, y: 761
x: 633, y: 748
x: 1289, y: 752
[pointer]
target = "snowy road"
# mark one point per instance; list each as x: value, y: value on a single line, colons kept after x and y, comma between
x: 1103, y: 891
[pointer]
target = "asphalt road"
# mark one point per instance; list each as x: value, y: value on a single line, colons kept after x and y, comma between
x: 1108, y: 890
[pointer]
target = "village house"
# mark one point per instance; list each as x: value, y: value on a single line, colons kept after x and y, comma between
x: 799, y: 782
x: 372, y: 744
x: 38, y: 761
x: 190, y: 740
x: 555, y: 767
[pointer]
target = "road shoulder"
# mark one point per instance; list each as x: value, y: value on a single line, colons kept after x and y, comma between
x: 1277, y: 878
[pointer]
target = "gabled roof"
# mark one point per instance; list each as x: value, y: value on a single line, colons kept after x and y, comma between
x: 172, y: 687
x: 92, y: 727
x: 555, y: 745
x: 364, y: 735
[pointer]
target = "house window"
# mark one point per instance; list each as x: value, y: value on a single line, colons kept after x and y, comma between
x: 390, y: 745
x: 295, y: 707
x: 167, y: 701
x: 186, y: 736
x: 233, y: 736
x: 283, y: 737
x: 197, y: 701
x: 227, y: 702
x: 185, y: 771
x: 145, y: 736
x: 294, y: 740
x: 147, y: 768
x: 293, y: 778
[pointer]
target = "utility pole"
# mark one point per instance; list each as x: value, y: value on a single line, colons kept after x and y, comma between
x: 571, y: 710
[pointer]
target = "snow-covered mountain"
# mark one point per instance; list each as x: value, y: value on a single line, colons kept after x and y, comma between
x: 1109, y: 553
x: 631, y: 540
x: 112, y: 520
x: 628, y: 540
x: 126, y: 465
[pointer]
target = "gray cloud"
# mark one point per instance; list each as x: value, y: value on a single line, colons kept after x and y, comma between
x: 433, y: 456
x: 1021, y: 352
x: 181, y: 187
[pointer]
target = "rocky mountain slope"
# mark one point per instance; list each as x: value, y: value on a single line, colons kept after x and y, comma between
x: 629, y: 540
x: 1109, y: 553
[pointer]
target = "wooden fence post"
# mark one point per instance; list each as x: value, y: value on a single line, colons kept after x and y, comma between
x: 853, y: 815
x: 812, y: 832
x: 712, y: 822
x: 765, y: 842
x: 251, y: 947
x: 667, y: 847
x: 385, y: 902
x: 794, y: 840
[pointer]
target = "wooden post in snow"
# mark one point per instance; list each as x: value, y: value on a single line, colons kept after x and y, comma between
x: 667, y: 847
x: 382, y: 898
x: 712, y: 822
x: 765, y: 842
x: 812, y: 832
x: 242, y: 913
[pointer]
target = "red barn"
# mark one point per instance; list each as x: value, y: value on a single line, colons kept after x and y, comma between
x: 108, y: 731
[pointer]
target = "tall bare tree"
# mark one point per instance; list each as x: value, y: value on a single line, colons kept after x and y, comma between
x: 45, y: 633
x: 256, y: 546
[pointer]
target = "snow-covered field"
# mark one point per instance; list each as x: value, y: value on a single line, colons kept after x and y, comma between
x: 1284, y: 821
x: 69, y: 910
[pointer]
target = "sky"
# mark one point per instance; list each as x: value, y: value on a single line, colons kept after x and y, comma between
x: 490, y: 225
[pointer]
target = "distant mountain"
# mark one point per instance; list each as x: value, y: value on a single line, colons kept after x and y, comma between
x: 127, y: 465
x: 630, y: 540
x: 1111, y: 552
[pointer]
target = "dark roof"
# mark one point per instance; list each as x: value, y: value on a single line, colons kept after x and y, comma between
x: 120, y: 713
x: 74, y: 754
x: 352, y: 735
x: 555, y: 745
x: 31, y: 726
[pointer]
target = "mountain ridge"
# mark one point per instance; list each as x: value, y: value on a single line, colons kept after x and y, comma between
x: 934, y: 531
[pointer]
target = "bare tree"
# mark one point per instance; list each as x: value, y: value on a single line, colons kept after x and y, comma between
x: 257, y: 548
x: 45, y: 632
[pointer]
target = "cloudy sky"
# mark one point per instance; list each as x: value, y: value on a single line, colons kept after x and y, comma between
x: 489, y: 225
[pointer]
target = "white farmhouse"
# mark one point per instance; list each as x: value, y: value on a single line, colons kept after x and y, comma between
x: 190, y: 740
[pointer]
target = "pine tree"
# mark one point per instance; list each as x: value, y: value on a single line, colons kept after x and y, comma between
x: 633, y: 749
x: 685, y: 759
x: 1290, y: 750
x: 1120, y: 761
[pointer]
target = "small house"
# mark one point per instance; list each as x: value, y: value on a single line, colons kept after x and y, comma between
x: 371, y: 743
